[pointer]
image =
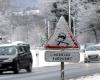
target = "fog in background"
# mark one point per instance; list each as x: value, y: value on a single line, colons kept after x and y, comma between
x: 27, y: 20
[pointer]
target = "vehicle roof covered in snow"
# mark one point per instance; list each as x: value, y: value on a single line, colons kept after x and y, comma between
x: 14, y: 44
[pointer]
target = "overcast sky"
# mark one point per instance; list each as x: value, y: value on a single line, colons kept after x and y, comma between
x: 22, y: 4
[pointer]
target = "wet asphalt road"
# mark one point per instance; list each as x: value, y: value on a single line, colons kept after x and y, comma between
x: 53, y: 73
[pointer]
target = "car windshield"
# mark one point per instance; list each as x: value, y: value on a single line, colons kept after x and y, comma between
x: 93, y: 48
x: 8, y: 50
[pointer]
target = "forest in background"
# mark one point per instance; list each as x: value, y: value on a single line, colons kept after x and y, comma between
x: 29, y: 24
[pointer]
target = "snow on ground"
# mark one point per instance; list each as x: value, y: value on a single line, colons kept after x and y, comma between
x: 39, y: 59
x: 93, y: 77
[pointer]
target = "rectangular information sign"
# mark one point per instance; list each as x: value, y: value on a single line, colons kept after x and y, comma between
x: 62, y: 56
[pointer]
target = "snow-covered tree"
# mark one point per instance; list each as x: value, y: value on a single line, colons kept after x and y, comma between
x: 29, y: 25
x: 4, y: 28
x: 85, y: 15
x: 4, y: 5
x: 86, y: 20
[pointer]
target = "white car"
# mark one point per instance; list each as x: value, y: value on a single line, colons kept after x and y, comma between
x: 92, y: 53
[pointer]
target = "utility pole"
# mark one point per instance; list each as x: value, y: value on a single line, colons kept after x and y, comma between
x: 12, y: 32
x: 69, y: 14
x: 27, y: 34
x: 46, y: 28
x: 71, y: 26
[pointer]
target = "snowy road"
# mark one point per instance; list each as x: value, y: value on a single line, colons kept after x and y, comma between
x: 53, y: 73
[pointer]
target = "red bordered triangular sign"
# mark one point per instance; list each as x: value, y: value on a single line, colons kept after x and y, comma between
x: 62, y: 37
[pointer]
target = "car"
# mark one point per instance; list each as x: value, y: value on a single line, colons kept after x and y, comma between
x: 92, y: 53
x: 14, y: 57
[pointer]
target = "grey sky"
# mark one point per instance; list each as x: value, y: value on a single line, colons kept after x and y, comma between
x: 22, y: 4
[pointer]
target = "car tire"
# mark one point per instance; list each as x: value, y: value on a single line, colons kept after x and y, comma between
x: 29, y: 68
x: 85, y: 61
x: 16, y: 70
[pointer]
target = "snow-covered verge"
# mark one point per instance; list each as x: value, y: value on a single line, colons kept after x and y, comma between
x: 93, y: 77
x: 39, y: 59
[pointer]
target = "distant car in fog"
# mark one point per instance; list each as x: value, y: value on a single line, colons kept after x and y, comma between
x: 92, y: 53
x: 15, y: 57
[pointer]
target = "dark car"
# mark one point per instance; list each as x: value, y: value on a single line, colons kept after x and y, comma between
x: 14, y: 57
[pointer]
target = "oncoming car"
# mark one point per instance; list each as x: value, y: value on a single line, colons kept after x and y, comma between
x: 92, y: 53
x: 14, y: 57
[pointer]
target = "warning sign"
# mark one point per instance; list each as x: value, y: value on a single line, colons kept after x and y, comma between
x: 62, y: 37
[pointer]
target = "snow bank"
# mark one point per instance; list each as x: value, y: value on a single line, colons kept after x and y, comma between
x: 39, y: 59
x: 93, y: 77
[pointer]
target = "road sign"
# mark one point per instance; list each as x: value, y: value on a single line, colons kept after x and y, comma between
x: 62, y: 46
x: 62, y: 56
x: 64, y: 42
x: 62, y: 37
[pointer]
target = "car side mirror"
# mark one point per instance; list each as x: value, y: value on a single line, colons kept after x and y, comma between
x: 21, y: 52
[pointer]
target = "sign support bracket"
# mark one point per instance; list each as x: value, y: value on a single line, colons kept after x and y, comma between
x: 62, y: 70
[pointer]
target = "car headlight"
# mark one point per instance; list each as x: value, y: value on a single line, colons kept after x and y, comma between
x: 8, y: 60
